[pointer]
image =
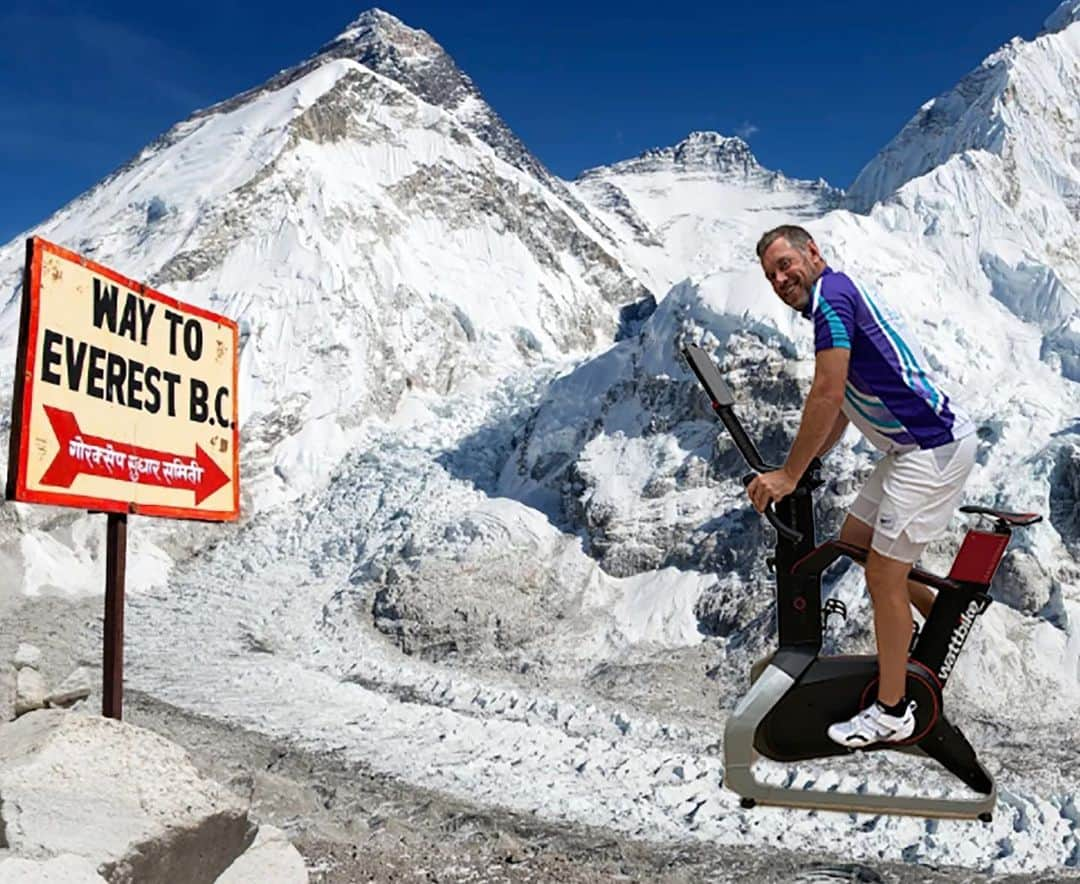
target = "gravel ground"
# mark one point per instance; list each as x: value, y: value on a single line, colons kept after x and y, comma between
x: 354, y: 825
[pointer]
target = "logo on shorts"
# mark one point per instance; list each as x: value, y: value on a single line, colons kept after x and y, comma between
x: 886, y: 520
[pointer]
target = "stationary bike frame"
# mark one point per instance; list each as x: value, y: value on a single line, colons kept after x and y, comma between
x: 796, y: 693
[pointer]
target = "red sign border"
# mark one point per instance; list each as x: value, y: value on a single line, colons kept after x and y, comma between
x: 19, y: 443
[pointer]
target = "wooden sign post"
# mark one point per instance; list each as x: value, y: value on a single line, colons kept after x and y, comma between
x: 125, y: 402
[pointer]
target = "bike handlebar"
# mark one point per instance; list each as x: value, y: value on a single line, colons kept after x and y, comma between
x: 784, y: 530
x: 709, y: 377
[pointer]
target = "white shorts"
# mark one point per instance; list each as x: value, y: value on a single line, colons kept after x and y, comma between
x: 909, y: 498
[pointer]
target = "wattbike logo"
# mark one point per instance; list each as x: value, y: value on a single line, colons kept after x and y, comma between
x: 959, y: 636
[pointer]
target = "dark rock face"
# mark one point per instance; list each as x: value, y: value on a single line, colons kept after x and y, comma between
x: 629, y: 536
x: 1064, y: 342
x: 412, y: 58
x: 632, y: 316
x: 700, y: 153
x: 1065, y: 497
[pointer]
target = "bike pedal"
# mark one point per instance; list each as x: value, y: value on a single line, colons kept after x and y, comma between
x: 833, y: 606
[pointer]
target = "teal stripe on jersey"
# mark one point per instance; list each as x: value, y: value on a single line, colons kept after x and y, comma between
x: 907, y: 358
x: 872, y: 401
x: 884, y: 425
x: 836, y: 327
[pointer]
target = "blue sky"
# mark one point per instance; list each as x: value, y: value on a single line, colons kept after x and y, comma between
x: 817, y: 88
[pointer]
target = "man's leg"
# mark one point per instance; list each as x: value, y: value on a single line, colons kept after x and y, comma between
x: 887, y: 581
x: 858, y: 533
x: 892, y: 717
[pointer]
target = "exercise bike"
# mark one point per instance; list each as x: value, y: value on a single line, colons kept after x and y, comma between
x: 796, y: 693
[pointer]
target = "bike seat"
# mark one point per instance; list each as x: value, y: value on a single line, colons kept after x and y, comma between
x: 1014, y: 519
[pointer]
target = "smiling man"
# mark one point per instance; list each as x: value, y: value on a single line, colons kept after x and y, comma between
x: 870, y: 371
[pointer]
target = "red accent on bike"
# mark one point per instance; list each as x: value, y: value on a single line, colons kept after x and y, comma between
x: 979, y: 557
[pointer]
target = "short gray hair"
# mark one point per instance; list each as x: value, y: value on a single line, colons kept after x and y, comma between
x: 797, y: 237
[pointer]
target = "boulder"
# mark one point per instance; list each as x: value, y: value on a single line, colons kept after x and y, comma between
x: 27, y: 655
x: 271, y: 859
x: 119, y: 796
x: 65, y: 869
x: 30, y: 691
x: 7, y: 693
x: 72, y: 689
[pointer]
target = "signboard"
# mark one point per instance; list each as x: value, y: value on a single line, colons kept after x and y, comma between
x: 125, y: 398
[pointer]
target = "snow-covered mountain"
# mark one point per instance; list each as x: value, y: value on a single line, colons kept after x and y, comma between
x: 366, y: 240
x: 985, y: 278
x: 989, y: 172
x: 967, y: 244
x: 696, y: 207
x: 530, y: 592
x: 410, y: 57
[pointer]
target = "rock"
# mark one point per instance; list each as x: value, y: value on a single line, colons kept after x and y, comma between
x: 509, y: 849
x: 7, y: 693
x: 122, y: 797
x: 65, y: 869
x: 271, y: 859
x: 27, y: 655
x: 72, y: 689
x: 1022, y: 582
x: 30, y: 691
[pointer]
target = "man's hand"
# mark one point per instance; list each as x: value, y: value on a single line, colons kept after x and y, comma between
x: 768, y: 487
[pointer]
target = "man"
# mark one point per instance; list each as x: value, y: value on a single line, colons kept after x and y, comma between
x: 870, y: 371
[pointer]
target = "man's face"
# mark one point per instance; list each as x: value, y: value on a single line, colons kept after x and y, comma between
x: 791, y: 271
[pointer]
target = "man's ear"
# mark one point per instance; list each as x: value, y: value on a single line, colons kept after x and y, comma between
x: 814, y: 252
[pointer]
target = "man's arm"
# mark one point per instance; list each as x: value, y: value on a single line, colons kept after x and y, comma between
x: 820, y: 418
x: 822, y: 410
x: 834, y: 434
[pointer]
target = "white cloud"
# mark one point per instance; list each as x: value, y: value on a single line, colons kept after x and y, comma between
x: 746, y: 130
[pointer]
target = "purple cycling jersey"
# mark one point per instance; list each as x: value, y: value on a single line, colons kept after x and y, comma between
x: 890, y: 396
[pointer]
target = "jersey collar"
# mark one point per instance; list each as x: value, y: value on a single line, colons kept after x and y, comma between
x: 811, y: 304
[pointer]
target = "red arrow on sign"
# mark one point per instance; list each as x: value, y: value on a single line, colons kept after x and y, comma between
x: 97, y: 456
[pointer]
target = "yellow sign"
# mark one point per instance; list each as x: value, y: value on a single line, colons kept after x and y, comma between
x: 125, y: 398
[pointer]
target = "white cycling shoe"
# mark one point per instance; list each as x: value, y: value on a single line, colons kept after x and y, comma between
x: 874, y: 725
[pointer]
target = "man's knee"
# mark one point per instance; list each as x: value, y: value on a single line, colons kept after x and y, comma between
x: 885, y: 576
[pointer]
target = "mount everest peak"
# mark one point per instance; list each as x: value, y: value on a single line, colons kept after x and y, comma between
x: 411, y: 57
x: 696, y: 206
x: 710, y: 151
x: 385, y: 44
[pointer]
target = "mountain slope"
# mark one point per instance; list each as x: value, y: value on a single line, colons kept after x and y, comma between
x: 365, y: 241
x: 990, y: 173
x: 697, y: 206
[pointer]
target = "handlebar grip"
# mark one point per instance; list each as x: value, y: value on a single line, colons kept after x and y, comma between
x: 785, y: 531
